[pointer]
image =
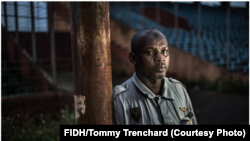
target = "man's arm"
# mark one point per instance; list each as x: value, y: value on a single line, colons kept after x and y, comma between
x: 188, y: 100
x: 118, y: 112
x: 194, y: 121
x: 118, y: 105
x: 190, y: 106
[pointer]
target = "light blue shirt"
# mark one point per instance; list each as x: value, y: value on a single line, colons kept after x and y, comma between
x: 133, y: 96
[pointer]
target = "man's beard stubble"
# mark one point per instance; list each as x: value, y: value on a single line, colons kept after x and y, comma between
x: 154, y: 76
x: 157, y: 76
x: 160, y: 76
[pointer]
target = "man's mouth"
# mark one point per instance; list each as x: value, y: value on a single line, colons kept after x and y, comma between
x: 160, y: 68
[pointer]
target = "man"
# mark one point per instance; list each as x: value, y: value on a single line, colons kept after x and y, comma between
x: 149, y: 98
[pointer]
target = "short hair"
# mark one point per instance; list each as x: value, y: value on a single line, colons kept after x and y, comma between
x: 139, y: 34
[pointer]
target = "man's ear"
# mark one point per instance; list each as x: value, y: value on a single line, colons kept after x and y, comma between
x: 132, y: 58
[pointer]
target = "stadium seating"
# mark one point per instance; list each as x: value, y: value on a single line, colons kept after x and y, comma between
x: 213, y: 34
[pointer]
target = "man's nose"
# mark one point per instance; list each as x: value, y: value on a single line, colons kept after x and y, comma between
x: 159, y: 57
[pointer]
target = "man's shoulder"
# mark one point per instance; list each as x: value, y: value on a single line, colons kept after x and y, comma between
x: 123, y: 88
x: 174, y: 82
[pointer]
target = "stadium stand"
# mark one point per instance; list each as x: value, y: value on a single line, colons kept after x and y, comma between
x: 213, y: 30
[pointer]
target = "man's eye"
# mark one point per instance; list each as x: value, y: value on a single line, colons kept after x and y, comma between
x: 165, y: 51
x: 149, y: 52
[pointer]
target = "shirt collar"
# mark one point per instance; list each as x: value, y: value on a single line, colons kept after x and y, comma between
x: 167, y: 91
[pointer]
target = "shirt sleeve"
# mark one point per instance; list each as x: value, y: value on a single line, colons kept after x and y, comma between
x: 118, y: 111
x: 194, y: 121
x: 190, y: 106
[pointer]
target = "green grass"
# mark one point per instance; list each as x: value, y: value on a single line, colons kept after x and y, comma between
x: 38, y: 128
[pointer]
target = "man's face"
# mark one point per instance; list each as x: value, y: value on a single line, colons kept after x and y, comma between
x: 152, y: 56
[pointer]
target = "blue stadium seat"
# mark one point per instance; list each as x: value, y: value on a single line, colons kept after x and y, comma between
x: 214, y: 32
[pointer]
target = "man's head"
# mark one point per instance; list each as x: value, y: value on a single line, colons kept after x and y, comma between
x: 150, y: 53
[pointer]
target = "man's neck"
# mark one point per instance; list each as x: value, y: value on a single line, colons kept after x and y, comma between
x: 154, y: 85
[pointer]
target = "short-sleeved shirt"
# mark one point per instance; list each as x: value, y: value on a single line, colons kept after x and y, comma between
x: 135, y: 104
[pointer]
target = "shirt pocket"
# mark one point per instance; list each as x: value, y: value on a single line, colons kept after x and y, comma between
x: 147, y: 123
x: 186, y: 122
x: 183, y: 119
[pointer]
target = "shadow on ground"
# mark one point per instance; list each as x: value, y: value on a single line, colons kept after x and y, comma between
x: 216, y: 108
